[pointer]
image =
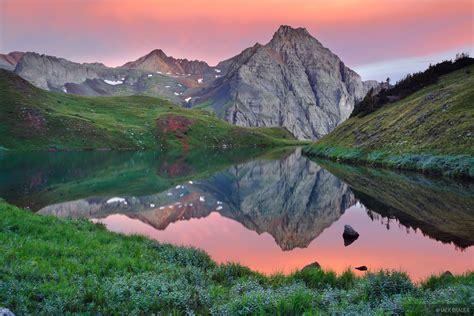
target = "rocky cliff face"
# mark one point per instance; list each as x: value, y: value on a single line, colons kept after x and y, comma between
x: 95, y: 79
x: 293, y: 81
x: 9, y: 61
x: 48, y: 72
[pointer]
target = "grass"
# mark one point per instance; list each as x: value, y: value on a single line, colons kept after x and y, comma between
x: 34, y: 119
x: 58, y: 266
x: 431, y: 130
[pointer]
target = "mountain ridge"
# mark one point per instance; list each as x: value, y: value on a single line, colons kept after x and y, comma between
x: 293, y: 82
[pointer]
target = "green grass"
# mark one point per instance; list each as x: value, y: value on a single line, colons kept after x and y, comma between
x: 34, y: 119
x: 58, y: 266
x: 431, y: 130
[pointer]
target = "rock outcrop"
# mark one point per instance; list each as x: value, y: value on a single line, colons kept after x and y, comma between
x: 50, y: 73
x: 9, y: 61
x: 293, y: 81
x: 350, y: 235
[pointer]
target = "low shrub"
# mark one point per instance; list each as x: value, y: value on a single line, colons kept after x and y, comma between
x: 387, y: 283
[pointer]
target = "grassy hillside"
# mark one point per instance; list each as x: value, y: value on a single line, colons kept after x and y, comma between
x: 431, y: 130
x: 58, y: 266
x: 34, y: 119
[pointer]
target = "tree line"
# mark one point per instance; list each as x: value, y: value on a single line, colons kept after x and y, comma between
x: 377, y: 98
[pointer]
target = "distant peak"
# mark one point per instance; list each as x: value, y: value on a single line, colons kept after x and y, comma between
x: 286, y: 30
x: 158, y: 52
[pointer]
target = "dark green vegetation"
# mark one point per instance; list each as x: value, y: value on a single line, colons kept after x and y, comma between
x: 54, y: 266
x: 414, y: 200
x: 432, y: 130
x: 410, y: 84
x: 34, y: 119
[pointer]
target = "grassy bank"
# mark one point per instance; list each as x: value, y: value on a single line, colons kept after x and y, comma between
x: 450, y: 165
x: 35, y: 119
x: 53, y: 266
x: 431, y: 130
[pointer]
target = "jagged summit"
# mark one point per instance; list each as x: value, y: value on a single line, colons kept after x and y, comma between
x: 158, y: 61
x: 293, y: 81
x: 288, y: 31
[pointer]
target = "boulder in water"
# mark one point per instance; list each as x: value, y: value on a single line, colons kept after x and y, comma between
x: 350, y: 235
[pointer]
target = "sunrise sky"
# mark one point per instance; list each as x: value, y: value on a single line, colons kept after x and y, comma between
x: 377, y: 38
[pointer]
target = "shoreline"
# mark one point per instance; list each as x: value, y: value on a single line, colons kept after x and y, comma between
x: 455, y: 166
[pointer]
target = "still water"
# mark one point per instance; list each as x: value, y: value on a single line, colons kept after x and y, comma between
x: 274, y: 211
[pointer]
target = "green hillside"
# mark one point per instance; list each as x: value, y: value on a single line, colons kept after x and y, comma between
x: 34, y: 119
x: 430, y: 130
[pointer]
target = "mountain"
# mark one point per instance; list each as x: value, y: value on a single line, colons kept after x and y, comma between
x: 431, y: 129
x: 292, y: 82
x: 9, y: 61
x: 155, y: 74
x: 95, y: 79
x: 35, y: 119
x: 158, y: 62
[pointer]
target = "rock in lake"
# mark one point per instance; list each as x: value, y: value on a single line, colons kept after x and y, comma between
x: 314, y: 265
x: 361, y: 268
x: 350, y: 235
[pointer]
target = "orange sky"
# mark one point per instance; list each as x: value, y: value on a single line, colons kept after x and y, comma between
x: 115, y: 31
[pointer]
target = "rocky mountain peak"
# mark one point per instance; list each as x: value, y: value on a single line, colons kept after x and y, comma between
x: 285, y: 31
x: 158, y: 61
x: 157, y: 52
x: 293, y: 82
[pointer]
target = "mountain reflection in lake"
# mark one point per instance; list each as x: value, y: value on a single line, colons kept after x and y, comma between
x: 272, y: 211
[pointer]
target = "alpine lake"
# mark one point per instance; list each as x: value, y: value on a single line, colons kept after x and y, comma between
x: 271, y: 210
